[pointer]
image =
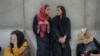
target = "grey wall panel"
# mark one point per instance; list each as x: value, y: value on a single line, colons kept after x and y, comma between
x: 11, y: 13
x: 97, y: 24
x: 32, y: 42
x: 90, y: 15
x: 75, y: 10
x: 31, y: 8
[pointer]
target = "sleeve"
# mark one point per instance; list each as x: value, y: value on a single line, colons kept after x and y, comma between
x: 35, y: 23
x: 97, y: 43
x: 18, y: 51
x: 79, y: 50
x: 50, y: 22
x: 7, y: 51
x: 68, y: 29
x: 56, y: 34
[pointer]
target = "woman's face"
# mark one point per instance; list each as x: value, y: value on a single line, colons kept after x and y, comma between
x: 87, y: 34
x: 13, y: 37
x: 47, y: 11
x: 59, y: 11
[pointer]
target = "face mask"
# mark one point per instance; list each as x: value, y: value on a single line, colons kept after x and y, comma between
x: 12, y: 41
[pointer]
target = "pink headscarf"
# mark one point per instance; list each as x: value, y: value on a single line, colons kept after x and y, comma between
x: 42, y: 17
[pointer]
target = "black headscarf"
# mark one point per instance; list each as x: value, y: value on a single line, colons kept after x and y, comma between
x: 20, y: 38
x: 61, y: 27
x: 63, y: 21
x: 63, y: 11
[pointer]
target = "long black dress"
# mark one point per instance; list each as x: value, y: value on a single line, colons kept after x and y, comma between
x: 81, y: 48
x: 61, y: 27
x: 43, y: 44
x: 0, y: 49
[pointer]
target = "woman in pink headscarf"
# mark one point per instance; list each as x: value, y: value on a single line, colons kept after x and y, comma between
x: 42, y: 30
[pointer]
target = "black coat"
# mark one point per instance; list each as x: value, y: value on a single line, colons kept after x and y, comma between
x: 81, y: 48
x: 35, y: 23
x: 61, y: 28
x: 0, y: 49
x: 43, y: 44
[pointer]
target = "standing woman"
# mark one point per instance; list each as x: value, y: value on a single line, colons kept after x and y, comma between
x: 42, y: 29
x: 61, y: 33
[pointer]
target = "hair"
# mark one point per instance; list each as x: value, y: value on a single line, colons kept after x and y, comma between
x: 63, y: 10
x: 85, y: 32
x: 46, y: 6
x: 20, y: 38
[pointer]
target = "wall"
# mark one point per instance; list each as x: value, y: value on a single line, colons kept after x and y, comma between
x: 18, y: 14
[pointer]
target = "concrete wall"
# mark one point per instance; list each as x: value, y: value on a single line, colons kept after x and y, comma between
x: 18, y: 14
x: 81, y: 12
x: 11, y: 14
x: 75, y: 10
x: 98, y: 15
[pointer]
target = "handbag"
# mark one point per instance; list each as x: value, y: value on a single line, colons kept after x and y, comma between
x: 26, y: 52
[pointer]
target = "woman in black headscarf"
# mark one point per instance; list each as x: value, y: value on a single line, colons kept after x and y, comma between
x: 17, y: 46
x: 61, y: 33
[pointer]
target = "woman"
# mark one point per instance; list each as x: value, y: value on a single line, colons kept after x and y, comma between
x: 42, y: 30
x: 18, y: 45
x: 88, y: 45
x: 61, y: 33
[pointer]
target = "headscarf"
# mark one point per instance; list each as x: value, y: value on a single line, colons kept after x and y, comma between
x: 64, y: 21
x: 42, y: 17
x: 82, y: 37
x: 63, y: 10
x: 20, y: 38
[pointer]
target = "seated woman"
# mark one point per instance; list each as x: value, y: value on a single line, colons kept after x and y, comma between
x: 88, y: 45
x: 18, y: 46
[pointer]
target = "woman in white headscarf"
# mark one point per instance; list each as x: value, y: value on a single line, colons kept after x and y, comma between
x: 88, y: 45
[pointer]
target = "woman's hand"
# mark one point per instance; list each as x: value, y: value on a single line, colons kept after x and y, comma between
x: 62, y: 40
x: 15, y: 42
x: 47, y: 23
x: 82, y: 54
x: 14, y: 38
x: 94, y: 55
x: 40, y: 23
x: 65, y: 37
